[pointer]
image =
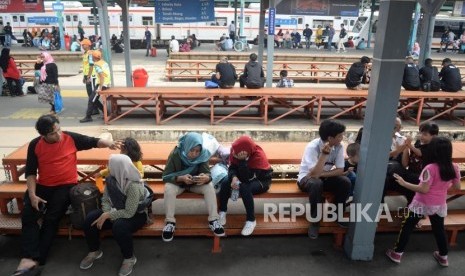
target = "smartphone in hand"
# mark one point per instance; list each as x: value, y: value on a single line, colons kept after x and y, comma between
x: 42, y: 207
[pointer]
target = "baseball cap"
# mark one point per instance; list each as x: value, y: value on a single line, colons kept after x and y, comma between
x: 96, y: 54
x: 86, y: 41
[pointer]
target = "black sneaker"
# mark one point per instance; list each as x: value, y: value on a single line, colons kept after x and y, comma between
x: 85, y: 120
x: 313, y: 230
x: 216, y: 227
x: 168, y: 231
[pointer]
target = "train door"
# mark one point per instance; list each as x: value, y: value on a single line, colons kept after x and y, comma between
x: 18, y: 24
x: 71, y: 21
x: 147, y: 21
x: 300, y: 25
x: 248, y: 27
x: 349, y: 23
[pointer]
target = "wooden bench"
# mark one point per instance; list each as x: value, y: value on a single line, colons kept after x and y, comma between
x: 309, y: 102
x: 301, y: 70
x: 298, y: 70
x: 156, y: 154
x: 195, y: 225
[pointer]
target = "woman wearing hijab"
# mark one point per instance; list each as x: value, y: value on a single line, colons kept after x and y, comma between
x: 123, y: 211
x: 48, y: 79
x: 11, y: 73
x: 250, y: 172
x: 187, y: 169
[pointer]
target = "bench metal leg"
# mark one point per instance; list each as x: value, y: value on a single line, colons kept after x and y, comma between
x: 20, y: 203
x: 216, y: 245
x: 453, y: 237
x: 338, y: 240
x: 4, y: 206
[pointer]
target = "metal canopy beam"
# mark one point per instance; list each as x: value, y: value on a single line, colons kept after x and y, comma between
x: 124, y: 4
x: 431, y: 8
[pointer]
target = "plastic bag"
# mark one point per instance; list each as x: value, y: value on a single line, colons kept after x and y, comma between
x: 58, y: 102
x: 211, y: 84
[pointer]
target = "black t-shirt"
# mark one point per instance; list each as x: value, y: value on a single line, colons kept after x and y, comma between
x: 307, y: 32
x: 228, y: 74
x: 348, y: 165
x: 451, y: 80
x: 355, y: 74
x: 7, y: 30
x: 415, y: 164
x: 52, y: 72
x: 411, y: 79
x: 430, y: 74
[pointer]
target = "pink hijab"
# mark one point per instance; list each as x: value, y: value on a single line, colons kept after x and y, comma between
x: 47, y: 59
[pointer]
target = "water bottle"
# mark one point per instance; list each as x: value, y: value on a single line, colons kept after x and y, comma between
x: 235, y: 192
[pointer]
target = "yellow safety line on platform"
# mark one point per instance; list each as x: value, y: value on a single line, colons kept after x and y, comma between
x: 34, y: 113
x: 74, y: 93
x: 29, y: 113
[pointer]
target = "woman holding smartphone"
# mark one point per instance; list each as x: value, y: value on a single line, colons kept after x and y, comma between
x: 187, y: 169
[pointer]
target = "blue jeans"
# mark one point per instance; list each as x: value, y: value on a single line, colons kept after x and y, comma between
x: 307, y: 42
x: 352, y: 177
x: 8, y: 40
x: 330, y: 42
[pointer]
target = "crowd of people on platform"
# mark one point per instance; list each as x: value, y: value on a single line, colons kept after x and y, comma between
x: 293, y: 39
x: 449, y: 39
x: 421, y: 170
x: 427, y: 78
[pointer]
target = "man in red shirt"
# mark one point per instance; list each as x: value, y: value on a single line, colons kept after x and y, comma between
x: 52, y: 156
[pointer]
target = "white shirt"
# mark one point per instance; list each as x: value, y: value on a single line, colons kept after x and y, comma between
x: 232, y: 28
x: 397, y: 141
x: 228, y: 44
x: 174, y: 46
x: 451, y: 36
x: 312, y: 154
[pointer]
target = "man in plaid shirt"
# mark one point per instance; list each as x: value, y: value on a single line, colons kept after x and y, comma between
x: 284, y: 81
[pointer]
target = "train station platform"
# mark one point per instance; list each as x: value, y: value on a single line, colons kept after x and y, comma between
x: 277, y: 255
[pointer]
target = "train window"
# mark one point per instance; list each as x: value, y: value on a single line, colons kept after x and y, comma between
x: 221, y: 21
x: 121, y: 18
x: 247, y: 19
x: 92, y: 21
x: 68, y: 18
x: 359, y: 24
x: 147, y: 20
x: 1, y: 20
x: 15, y: 18
x: 352, y: 22
x: 300, y: 20
x: 21, y: 18
x: 75, y: 18
x: 323, y: 23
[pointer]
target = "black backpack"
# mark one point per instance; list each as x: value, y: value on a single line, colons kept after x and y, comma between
x: 85, y: 197
x: 118, y: 199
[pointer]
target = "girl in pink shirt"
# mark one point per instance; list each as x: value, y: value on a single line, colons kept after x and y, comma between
x: 430, y: 199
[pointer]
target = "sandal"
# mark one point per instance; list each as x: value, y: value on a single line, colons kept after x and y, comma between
x: 31, y: 271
